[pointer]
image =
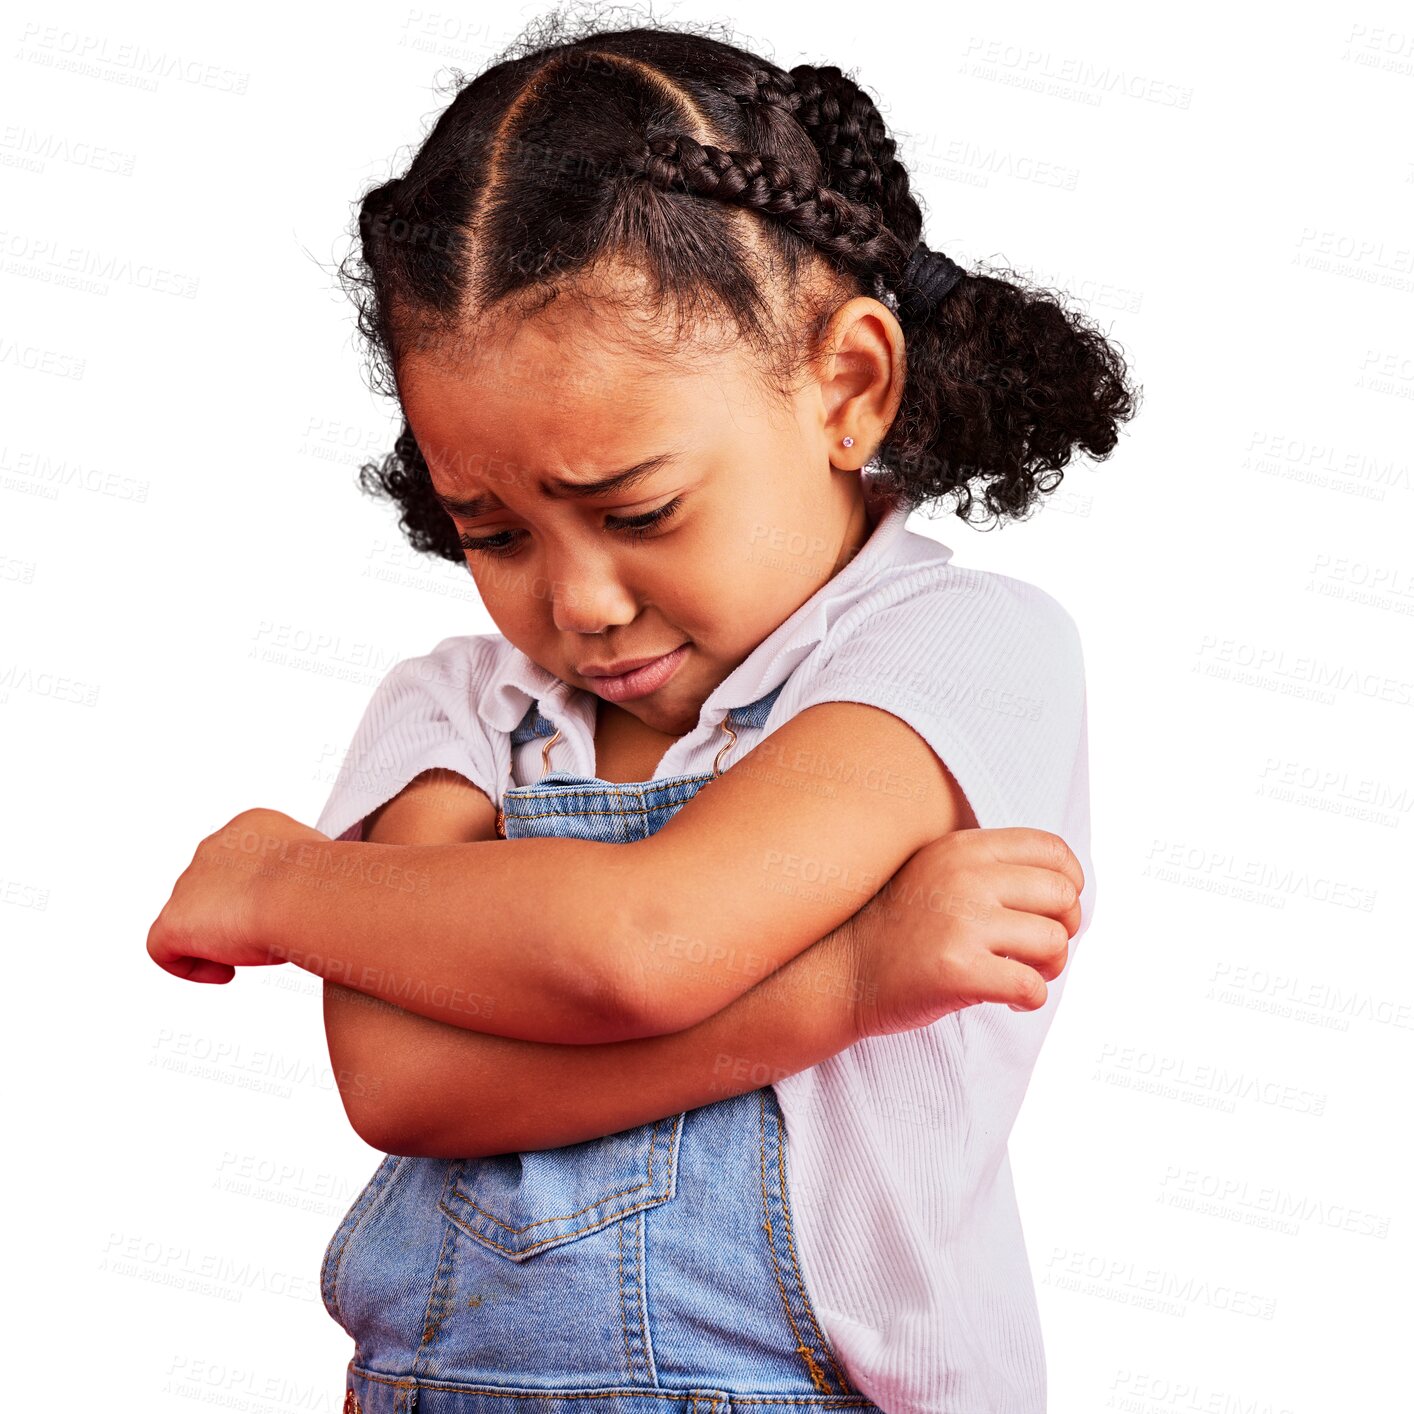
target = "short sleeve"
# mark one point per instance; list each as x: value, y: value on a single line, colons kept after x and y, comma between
x: 422, y: 715
x: 989, y: 671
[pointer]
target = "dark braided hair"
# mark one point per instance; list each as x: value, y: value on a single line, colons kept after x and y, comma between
x: 743, y: 196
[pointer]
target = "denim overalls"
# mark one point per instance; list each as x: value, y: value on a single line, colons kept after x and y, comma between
x: 650, y: 1270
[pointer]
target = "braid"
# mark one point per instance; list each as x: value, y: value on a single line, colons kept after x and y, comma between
x: 557, y: 157
x: 849, y: 133
x: 858, y: 159
x: 853, y: 233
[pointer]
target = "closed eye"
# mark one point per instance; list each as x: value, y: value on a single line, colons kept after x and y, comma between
x: 635, y: 527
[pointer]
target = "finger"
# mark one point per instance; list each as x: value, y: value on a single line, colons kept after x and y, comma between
x: 1018, y: 844
x: 204, y: 970
x: 1005, y: 980
x: 1040, y: 943
x: 198, y: 969
x: 1035, y: 890
x: 987, y: 977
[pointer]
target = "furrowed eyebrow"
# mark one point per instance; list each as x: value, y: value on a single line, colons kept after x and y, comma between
x: 557, y: 488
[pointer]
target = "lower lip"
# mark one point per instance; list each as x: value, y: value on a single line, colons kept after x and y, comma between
x: 641, y: 681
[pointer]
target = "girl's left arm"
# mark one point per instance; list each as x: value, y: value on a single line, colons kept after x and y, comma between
x: 578, y: 941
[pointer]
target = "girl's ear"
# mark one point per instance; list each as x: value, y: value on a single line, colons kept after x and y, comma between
x: 861, y: 384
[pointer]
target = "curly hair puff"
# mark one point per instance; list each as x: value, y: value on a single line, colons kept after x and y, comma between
x: 704, y: 166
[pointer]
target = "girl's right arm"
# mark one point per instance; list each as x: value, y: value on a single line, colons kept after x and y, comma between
x: 422, y: 1087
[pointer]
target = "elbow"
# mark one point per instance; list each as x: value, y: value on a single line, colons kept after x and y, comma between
x: 687, y: 1004
x: 375, y: 1133
x: 665, y: 995
x: 369, y: 1116
x: 609, y: 1010
x: 391, y: 1104
x: 634, y: 1002
x: 663, y: 984
x: 398, y: 1131
x: 371, y: 1100
x: 398, y: 1139
x: 677, y: 1003
x: 391, y: 1128
x: 402, y: 1113
x: 607, y: 993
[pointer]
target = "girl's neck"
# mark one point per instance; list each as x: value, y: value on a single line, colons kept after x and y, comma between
x: 865, y: 517
x: 624, y: 748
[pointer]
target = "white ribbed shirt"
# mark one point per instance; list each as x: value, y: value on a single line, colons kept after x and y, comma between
x: 905, y: 1217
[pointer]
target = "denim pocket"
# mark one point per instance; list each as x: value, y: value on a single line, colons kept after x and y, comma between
x: 358, y: 1210
x: 521, y: 1204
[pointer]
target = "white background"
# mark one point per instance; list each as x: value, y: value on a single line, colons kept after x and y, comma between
x: 198, y: 603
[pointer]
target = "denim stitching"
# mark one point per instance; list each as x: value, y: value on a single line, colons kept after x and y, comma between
x: 565, y: 1217
x: 641, y: 813
x: 649, y: 1360
x: 676, y: 1396
x: 799, y: 1278
x: 623, y: 1305
x: 434, y: 1314
x: 566, y: 791
x: 565, y: 1236
x: 360, y: 1209
x: 812, y: 1366
x: 641, y: 1299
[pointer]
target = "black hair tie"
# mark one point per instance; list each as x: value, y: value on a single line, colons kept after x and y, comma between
x: 929, y: 277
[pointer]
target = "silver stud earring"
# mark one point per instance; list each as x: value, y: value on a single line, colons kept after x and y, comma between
x: 849, y: 441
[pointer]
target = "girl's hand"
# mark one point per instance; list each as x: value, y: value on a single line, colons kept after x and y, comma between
x: 215, y: 920
x: 975, y: 916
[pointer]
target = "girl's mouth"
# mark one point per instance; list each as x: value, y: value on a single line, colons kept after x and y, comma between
x: 641, y: 681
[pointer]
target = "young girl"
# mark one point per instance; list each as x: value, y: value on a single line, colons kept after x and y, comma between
x: 721, y: 1116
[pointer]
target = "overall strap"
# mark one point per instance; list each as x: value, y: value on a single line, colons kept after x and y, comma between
x: 531, y: 725
x: 535, y: 724
x: 755, y: 713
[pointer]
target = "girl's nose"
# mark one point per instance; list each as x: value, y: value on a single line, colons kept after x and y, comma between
x: 591, y: 602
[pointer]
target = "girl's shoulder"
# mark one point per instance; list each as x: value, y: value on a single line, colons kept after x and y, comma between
x: 460, y: 657
x: 425, y: 713
x: 465, y: 675
x: 975, y: 616
x: 986, y: 667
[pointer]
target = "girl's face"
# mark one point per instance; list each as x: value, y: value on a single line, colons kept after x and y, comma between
x: 614, y: 508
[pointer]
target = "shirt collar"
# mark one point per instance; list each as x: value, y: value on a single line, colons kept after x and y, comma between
x: 505, y: 700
